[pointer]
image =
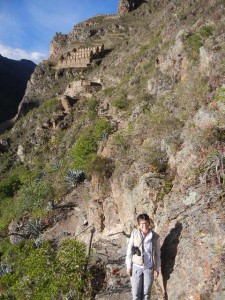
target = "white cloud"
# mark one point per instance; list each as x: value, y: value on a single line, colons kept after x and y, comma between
x: 17, y: 54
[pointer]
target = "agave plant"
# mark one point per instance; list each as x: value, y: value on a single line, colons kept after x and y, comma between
x: 71, y: 295
x: 34, y: 228
x: 38, y: 243
x: 74, y: 177
x: 104, y: 136
x: 5, y: 269
x: 56, y: 165
x: 40, y: 176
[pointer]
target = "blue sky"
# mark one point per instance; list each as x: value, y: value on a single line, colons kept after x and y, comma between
x: 28, y: 26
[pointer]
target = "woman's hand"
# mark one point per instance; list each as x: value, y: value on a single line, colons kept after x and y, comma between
x: 156, y: 273
x: 129, y: 272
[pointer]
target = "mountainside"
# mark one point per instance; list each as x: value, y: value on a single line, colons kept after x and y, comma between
x: 126, y: 116
x: 13, y: 81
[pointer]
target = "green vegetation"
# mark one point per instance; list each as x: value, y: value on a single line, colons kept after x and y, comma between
x: 9, y: 186
x: 87, y: 144
x: 39, y: 271
x: 167, y: 186
x: 102, y: 128
x: 196, y: 40
x: 23, y: 190
x: 206, y: 31
x: 109, y: 91
x: 93, y: 107
x: 6, y: 213
x: 83, y: 148
x: 47, y: 106
x: 121, y: 103
x: 31, y: 189
x: 153, y: 42
x: 12, y: 195
x: 220, y: 97
x: 34, y: 197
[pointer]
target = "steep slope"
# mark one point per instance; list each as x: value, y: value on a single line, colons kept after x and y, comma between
x: 139, y: 128
x: 13, y: 81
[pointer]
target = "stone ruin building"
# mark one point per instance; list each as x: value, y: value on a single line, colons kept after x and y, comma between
x: 81, y: 57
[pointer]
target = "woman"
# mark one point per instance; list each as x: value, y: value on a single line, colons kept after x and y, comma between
x: 143, y: 258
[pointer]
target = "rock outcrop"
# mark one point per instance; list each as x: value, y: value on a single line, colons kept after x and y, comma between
x: 126, y: 6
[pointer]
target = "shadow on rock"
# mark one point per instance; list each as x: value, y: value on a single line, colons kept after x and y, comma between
x: 168, y: 254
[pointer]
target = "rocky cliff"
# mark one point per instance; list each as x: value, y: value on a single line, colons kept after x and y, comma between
x: 144, y: 125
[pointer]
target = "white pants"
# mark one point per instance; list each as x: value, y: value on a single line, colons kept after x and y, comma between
x: 141, y: 282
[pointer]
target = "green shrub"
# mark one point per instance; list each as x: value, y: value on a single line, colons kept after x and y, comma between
x: 9, y: 186
x: 206, y: 31
x: 87, y: 144
x: 7, y: 213
x: 5, y: 161
x: 71, y: 260
x: 34, y: 197
x: 196, y: 40
x: 220, y: 96
x: 45, y: 273
x: 153, y: 42
x: 109, y: 91
x: 102, y: 128
x: 93, y: 107
x: 24, y: 174
x: 193, y: 43
x: 121, y: 103
x: 49, y: 105
x: 167, y: 187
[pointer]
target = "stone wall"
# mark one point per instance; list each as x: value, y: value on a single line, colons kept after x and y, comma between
x: 80, y: 57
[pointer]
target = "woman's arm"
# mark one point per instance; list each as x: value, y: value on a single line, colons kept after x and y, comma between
x: 129, y: 255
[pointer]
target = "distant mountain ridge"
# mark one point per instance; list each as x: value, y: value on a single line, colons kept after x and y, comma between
x: 13, y: 81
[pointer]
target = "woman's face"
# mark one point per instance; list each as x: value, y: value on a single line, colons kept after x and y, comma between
x: 144, y: 226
